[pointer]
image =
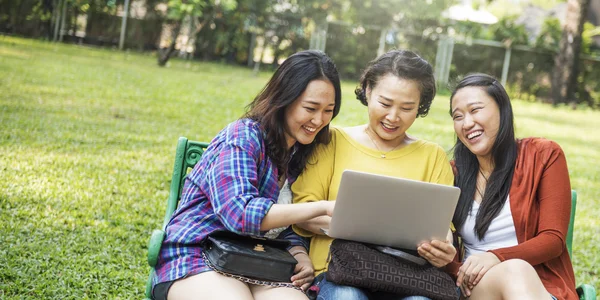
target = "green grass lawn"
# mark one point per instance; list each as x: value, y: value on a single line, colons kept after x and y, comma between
x: 87, y: 140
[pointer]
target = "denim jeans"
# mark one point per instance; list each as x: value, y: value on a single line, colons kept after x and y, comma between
x: 332, y: 291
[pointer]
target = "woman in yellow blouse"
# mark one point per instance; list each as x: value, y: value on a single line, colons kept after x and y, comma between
x: 397, y: 88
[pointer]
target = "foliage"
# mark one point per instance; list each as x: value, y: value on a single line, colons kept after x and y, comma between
x: 354, y: 41
x: 281, y: 24
x: 587, y: 43
x: 471, y: 30
x: 384, y: 12
x: 550, y: 35
x: 588, y: 90
x: 178, y: 9
x: 530, y: 72
x: 506, y: 30
x: 285, y: 26
x: 87, y: 145
x: 29, y: 17
x: 551, y: 32
x: 476, y: 58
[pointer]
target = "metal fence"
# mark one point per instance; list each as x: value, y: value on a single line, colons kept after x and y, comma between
x: 524, y: 71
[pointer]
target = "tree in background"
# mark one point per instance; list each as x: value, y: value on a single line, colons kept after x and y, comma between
x: 564, y: 77
x: 27, y: 17
x: 401, y: 23
x: 549, y: 37
x: 202, y: 12
x: 507, y: 31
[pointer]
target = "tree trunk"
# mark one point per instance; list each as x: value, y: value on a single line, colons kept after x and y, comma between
x: 63, y: 14
x: 165, y: 54
x: 276, y: 53
x: 57, y: 19
x: 50, y: 6
x: 91, y: 14
x: 566, y: 62
x: 256, y: 68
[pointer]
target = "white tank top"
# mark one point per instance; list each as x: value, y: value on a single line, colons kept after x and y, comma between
x: 500, y: 234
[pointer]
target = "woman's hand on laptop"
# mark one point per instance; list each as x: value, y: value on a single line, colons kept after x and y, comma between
x: 438, y: 253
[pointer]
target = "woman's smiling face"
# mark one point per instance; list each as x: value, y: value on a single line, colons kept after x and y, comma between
x: 393, y: 105
x: 476, y: 119
x: 310, y: 113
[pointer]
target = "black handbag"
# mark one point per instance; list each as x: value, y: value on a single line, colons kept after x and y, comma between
x: 361, y: 265
x: 258, y: 259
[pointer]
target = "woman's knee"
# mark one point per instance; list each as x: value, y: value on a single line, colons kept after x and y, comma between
x: 517, y: 267
x: 209, y: 285
x: 510, y: 277
x: 260, y: 292
x: 512, y: 271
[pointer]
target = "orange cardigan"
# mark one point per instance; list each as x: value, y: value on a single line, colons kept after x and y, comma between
x: 540, y: 202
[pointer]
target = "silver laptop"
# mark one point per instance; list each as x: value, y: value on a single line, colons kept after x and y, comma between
x: 391, y: 211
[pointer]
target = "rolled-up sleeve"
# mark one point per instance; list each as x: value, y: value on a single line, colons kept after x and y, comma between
x: 232, y: 184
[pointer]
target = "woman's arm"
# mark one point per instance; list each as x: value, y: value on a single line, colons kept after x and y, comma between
x: 314, y: 225
x: 453, y: 267
x: 231, y: 184
x: 284, y: 214
x: 554, y: 197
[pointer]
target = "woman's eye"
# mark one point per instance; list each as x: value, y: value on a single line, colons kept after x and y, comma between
x: 475, y: 109
x: 407, y: 108
x: 456, y: 117
x: 329, y: 111
x: 310, y: 109
x: 384, y: 104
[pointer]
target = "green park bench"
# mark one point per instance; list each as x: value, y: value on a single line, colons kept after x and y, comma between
x: 188, y: 153
x: 585, y: 291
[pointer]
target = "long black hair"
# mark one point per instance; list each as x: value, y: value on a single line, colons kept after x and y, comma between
x: 504, y: 155
x: 285, y: 86
x: 403, y: 64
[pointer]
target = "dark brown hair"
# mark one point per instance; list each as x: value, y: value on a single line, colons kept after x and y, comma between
x: 504, y: 155
x: 285, y: 86
x: 403, y: 64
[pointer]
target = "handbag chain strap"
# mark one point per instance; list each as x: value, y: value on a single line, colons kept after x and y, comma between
x: 249, y: 280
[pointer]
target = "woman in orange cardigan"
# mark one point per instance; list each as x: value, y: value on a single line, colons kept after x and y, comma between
x: 514, y: 209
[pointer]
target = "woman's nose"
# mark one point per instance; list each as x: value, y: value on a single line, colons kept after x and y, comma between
x: 468, y: 122
x: 394, y: 115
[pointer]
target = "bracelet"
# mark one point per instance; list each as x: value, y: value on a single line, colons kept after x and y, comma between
x: 298, y: 252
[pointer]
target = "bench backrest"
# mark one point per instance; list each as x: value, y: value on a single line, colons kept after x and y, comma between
x: 569, y: 240
x: 188, y: 153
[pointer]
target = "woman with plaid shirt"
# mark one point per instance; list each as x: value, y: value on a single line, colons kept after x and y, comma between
x: 236, y: 183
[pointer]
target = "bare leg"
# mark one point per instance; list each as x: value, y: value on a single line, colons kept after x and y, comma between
x: 510, y: 279
x: 209, y: 285
x: 276, y: 293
